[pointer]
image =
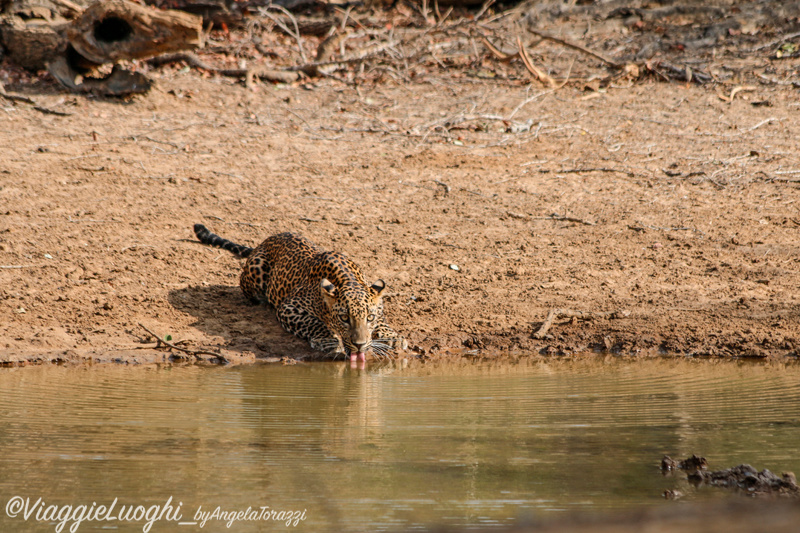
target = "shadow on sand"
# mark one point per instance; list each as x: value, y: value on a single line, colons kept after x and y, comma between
x: 222, y: 311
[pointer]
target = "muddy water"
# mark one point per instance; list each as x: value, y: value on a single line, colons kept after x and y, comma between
x: 385, y: 448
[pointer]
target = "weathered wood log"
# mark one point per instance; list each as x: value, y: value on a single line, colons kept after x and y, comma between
x: 214, y: 12
x: 117, y: 29
x: 35, y: 36
x: 32, y: 43
x: 47, y: 9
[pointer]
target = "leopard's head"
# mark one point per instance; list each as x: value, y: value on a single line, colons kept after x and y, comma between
x: 352, y: 313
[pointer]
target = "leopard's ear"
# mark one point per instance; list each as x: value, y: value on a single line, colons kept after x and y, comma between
x: 328, y: 291
x: 378, y: 287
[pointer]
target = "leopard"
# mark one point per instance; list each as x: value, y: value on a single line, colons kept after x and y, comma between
x: 319, y: 296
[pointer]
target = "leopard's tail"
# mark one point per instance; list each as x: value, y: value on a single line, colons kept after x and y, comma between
x: 211, y: 239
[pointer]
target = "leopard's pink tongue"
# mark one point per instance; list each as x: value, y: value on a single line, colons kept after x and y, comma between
x: 360, y: 356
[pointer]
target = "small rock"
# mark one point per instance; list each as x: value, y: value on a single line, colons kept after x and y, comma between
x: 608, y: 343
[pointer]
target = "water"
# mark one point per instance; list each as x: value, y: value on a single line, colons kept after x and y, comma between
x: 388, y: 448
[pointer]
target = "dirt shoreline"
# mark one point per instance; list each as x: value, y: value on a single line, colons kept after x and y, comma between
x: 668, y: 213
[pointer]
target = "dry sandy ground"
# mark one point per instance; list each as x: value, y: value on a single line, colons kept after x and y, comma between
x: 666, y: 214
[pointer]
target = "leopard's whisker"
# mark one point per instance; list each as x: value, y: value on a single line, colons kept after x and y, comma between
x: 383, y: 343
x: 381, y: 349
x: 378, y: 353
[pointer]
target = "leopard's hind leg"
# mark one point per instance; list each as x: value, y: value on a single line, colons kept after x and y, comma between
x: 254, y: 279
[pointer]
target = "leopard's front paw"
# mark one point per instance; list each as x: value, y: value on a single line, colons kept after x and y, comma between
x: 330, y: 345
x: 393, y: 343
x: 400, y: 344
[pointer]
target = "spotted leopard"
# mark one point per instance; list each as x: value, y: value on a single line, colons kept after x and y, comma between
x: 318, y: 296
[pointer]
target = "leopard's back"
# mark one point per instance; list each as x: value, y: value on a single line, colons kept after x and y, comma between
x: 279, y: 266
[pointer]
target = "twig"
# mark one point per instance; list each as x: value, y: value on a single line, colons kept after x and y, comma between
x: 361, y: 56
x: 451, y: 122
x: 515, y: 178
x: 418, y: 186
x: 47, y: 111
x: 673, y: 174
x: 564, y: 218
x: 18, y: 266
x: 195, y: 353
x: 476, y: 193
x: 248, y: 224
x: 787, y: 56
x: 645, y: 227
x: 281, y: 25
x: 555, y: 314
x: 533, y: 69
x: 496, y: 52
x: 767, y: 79
x: 15, y: 97
x: 25, y: 99
x: 578, y: 47
x: 529, y: 100
x: 775, y: 42
x: 238, y: 177
x: 280, y: 76
x: 443, y: 184
x: 177, y: 147
x: 75, y: 8
x: 685, y: 74
x: 486, y: 5
x: 425, y: 11
x: 345, y: 16
x: 735, y: 90
x: 765, y: 121
x: 581, y: 170
x: 442, y: 19
x: 576, y: 171
x: 89, y: 220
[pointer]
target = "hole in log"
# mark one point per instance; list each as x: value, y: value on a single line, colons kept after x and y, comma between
x: 79, y: 64
x: 112, y: 29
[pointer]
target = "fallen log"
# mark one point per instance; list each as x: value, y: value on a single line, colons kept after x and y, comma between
x: 107, y: 31
x: 112, y: 30
x: 32, y: 43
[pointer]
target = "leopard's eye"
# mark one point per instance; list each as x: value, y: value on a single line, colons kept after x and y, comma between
x: 371, y: 318
x: 344, y: 316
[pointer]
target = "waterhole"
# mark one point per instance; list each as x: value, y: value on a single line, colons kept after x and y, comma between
x: 393, y: 447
